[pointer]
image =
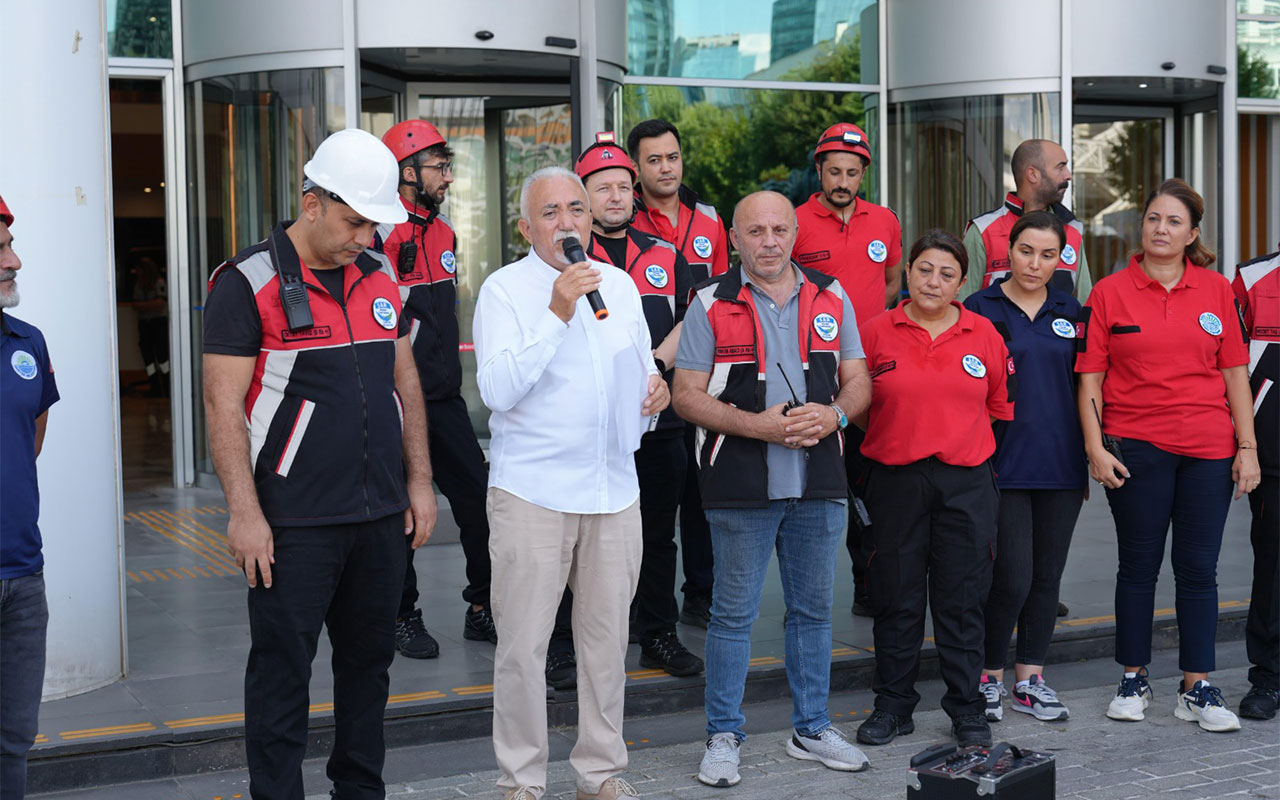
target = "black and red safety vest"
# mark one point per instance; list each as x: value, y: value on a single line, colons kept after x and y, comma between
x: 664, y: 281
x: 733, y: 471
x: 322, y: 409
x: 994, y: 226
x: 1257, y: 290
x: 699, y: 235
x: 423, y: 251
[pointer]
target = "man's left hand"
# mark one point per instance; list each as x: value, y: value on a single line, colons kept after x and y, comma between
x: 658, y: 398
x: 420, y: 516
x: 811, y: 423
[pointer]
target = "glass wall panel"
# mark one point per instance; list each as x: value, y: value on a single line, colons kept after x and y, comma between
x: 949, y: 158
x: 140, y: 28
x: 753, y: 39
x: 248, y: 137
x: 737, y: 141
x: 1258, y: 55
x: 1116, y: 163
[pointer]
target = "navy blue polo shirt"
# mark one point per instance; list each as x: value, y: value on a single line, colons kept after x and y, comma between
x: 27, y: 389
x: 1043, y: 447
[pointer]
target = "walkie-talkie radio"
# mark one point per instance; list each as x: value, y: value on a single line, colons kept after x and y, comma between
x: 794, y: 402
x: 293, y: 292
x: 1002, y: 772
x: 1110, y: 443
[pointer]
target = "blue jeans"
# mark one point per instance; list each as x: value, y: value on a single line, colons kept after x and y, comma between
x: 24, y: 617
x: 1195, y: 495
x: 806, y: 534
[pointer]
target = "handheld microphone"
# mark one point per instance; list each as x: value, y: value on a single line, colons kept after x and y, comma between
x: 573, y: 251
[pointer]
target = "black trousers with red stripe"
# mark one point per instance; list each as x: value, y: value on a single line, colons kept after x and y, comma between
x: 459, y: 469
x: 932, y: 541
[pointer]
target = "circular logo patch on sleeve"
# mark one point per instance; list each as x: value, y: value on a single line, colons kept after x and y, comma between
x: 702, y: 246
x: 1064, y: 328
x: 448, y: 261
x: 655, y: 275
x: 826, y: 326
x: 25, y: 365
x: 1211, y: 324
x: 877, y: 251
x: 974, y: 366
x: 1069, y: 255
x: 384, y: 313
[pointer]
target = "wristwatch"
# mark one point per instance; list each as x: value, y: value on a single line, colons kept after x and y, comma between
x: 842, y: 419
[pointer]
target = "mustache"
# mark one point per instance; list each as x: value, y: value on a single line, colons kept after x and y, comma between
x: 8, y: 274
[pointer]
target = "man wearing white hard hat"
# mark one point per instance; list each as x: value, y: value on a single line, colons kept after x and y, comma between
x: 318, y: 434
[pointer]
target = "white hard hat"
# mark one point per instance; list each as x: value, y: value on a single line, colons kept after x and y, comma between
x: 359, y: 168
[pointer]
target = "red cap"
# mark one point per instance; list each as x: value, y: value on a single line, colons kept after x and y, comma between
x: 604, y: 154
x: 844, y: 137
x: 6, y: 216
x: 408, y: 137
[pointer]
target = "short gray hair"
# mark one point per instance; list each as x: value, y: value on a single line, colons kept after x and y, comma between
x: 546, y: 173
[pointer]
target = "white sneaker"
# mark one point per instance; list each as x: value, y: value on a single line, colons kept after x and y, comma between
x: 720, y: 762
x: 1131, y: 698
x: 1203, y: 704
x: 993, y: 690
x: 830, y: 748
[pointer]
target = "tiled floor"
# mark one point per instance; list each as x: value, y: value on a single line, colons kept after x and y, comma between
x: 188, y: 633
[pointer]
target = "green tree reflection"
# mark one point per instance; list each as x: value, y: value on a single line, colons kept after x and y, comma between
x: 737, y: 141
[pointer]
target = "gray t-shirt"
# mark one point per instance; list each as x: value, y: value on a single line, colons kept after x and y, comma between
x: 781, y: 347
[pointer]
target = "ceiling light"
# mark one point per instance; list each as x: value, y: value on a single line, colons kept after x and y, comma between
x: 146, y: 189
x: 1142, y: 86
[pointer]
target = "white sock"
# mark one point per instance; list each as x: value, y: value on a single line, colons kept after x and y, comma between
x: 1131, y: 674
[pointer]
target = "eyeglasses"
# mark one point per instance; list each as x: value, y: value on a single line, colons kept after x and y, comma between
x: 445, y: 167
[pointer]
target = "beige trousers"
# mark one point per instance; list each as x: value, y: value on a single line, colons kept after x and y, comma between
x: 535, y: 552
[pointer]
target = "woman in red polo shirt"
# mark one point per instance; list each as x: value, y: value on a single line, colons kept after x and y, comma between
x: 1164, y: 370
x: 940, y: 373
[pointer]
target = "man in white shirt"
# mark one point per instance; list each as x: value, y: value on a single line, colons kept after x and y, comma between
x: 571, y: 396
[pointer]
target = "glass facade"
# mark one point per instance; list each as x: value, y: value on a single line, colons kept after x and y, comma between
x: 248, y: 137
x: 1258, y: 54
x: 140, y: 28
x: 750, y: 39
x: 949, y: 158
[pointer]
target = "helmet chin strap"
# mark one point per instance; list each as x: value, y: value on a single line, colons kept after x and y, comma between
x: 615, y: 228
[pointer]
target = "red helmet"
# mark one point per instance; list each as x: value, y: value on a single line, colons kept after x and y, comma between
x: 604, y: 154
x: 6, y: 216
x: 844, y: 137
x: 411, y: 136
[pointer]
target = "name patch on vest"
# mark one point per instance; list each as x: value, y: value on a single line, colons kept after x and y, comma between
x: 736, y: 350
x: 314, y: 332
x: 817, y: 255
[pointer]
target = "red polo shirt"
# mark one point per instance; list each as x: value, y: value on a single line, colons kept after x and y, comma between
x: 856, y: 253
x: 1162, y: 352
x: 935, y: 397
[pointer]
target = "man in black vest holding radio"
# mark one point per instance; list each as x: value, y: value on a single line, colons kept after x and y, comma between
x: 318, y: 434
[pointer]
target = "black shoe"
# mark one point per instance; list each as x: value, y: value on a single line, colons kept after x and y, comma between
x: 412, y: 639
x: 861, y: 606
x: 478, y: 626
x: 882, y: 727
x: 696, y: 611
x: 1062, y: 609
x: 665, y: 652
x: 562, y: 670
x: 1259, y: 703
x: 971, y: 729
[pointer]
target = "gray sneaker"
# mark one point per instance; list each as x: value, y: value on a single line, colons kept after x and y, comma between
x: 828, y: 747
x: 720, y: 762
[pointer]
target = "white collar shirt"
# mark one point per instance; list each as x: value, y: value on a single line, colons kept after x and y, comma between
x: 566, y: 399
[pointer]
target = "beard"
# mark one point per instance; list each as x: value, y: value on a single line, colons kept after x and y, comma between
x: 839, y: 199
x: 9, y: 297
